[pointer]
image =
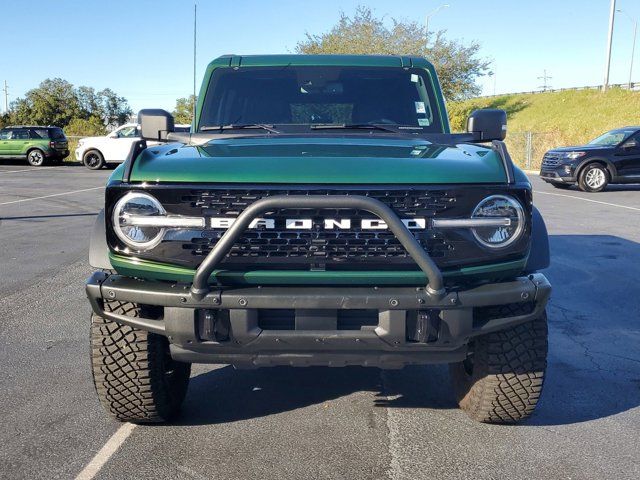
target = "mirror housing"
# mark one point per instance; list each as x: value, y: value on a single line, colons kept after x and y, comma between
x: 155, y: 124
x: 487, y: 124
x: 630, y: 144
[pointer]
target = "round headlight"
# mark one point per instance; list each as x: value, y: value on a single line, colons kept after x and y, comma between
x: 134, y: 205
x: 499, y: 207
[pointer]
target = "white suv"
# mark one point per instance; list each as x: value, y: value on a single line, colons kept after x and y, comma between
x: 96, y: 152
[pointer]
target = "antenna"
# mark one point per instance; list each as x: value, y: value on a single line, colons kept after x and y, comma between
x: 545, y: 81
x: 195, y: 18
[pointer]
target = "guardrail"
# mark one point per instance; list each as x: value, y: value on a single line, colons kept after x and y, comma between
x: 635, y: 86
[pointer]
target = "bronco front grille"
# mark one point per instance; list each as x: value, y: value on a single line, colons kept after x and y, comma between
x: 317, y: 244
x: 319, y: 248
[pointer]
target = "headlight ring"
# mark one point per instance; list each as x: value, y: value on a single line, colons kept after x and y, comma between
x: 499, y: 206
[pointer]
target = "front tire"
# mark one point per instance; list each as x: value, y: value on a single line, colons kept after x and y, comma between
x: 93, y: 160
x: 134, y: 375
x: 501, y: 379
x: 36, y: 157
x: 593, y: 178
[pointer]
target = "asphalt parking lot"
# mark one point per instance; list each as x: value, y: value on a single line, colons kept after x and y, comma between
x: 315, y: 423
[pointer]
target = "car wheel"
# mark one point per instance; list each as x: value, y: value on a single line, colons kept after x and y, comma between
x: 593, y: 178
x: 501, y: 379
x: 562, y: 186
x: 93, y: 160
x: 35, y: 157
x: 134, y: 375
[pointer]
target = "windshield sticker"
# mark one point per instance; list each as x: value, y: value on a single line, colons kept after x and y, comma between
x: 420, y: 107
x: 423, y: 122
x: 415, y: 78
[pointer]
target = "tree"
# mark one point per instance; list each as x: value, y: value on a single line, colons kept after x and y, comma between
x: 84, y: 127
x: 457, y: 64
x: 113, y: 109
x: 56, y: 102
x: 183, y: 112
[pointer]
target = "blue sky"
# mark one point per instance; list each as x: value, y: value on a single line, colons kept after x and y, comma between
x: 142, y: 49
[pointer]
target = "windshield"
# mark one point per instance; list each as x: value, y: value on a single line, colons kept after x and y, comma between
x: 612, y: 138
x: 305, y: 96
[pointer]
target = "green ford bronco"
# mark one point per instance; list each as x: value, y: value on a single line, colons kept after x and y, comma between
x: 320, y: 212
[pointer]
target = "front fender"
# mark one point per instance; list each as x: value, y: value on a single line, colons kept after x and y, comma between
x: 539, y: 257
x: 613, y: 171
x: 98, y: 248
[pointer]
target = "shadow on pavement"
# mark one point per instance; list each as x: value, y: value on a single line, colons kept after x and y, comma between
x: 594, y: 354
x: 40, y: 217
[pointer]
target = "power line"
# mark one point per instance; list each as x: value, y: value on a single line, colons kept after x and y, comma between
x: 545, y: 81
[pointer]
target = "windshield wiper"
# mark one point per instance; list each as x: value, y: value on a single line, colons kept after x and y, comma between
x: 234, y: 126
x: 356, y: 126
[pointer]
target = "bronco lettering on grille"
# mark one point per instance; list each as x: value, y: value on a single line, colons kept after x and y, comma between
x: 328, y: 223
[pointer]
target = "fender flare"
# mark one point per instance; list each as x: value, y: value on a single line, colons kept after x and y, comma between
x: 539, y: 256
x: 613, y: 171
x: 98, y: 248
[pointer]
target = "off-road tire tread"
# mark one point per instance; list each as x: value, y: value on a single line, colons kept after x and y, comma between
x: 129, y: 370
x: 508, y: 374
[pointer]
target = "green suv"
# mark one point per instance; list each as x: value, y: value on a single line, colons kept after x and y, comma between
x: 39, y: 145
x: 320, y: 212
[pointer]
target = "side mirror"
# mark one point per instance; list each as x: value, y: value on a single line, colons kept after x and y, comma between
x: 487, y: 124
x: 155, y: 124
x: 630, y: 144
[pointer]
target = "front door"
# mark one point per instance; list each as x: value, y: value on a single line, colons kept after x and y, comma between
x: 628, y: 158
x: 120, y: 144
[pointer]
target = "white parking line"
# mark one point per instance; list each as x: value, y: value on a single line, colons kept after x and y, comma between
x: 106, y: 452
x: 27, y: 170
x: 49, y: 196
x: 587, y: 200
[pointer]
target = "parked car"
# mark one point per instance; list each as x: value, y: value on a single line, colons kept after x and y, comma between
x: 96, y: 152
x: 613, y: 157
x: 37, y: 144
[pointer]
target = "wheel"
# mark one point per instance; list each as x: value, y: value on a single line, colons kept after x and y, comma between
x: 134, y: 375
x: 35, y: 157
x: 593, y: 178
x: 501, y: 379
x: 562, y: 186
x: 93, y: 160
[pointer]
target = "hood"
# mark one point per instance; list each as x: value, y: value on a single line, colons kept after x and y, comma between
x: 579, y: 148
x: 324, y: 160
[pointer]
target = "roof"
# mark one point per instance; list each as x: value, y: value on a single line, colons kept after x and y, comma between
x: 321, y: 60
x: 31, y: 126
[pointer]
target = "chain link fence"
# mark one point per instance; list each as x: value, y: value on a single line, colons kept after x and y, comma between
x: 527, y: 148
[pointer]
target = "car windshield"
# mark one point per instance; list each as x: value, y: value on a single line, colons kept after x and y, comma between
x: 612, y: 138
x: 336, y: 97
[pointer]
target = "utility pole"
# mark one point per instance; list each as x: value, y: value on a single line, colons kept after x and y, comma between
x: 6, y: 97
x: 607, y: 68
x: 195, y: 18
x: 545, y: 84
x: 633, y: 45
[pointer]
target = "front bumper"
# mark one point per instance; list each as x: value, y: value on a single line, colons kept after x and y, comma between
x: 319, y: 333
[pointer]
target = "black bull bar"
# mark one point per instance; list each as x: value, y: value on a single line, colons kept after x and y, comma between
x: 435, y: 287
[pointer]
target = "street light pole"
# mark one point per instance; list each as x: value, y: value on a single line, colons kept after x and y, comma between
x: 429, y: 15
x: 633, y: 45
x: 633, y: 50
x: 607, y: 68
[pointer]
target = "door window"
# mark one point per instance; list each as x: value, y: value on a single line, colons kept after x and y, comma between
x: 21, y: 135
x: 5, y: 134
x: 128, y: 132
